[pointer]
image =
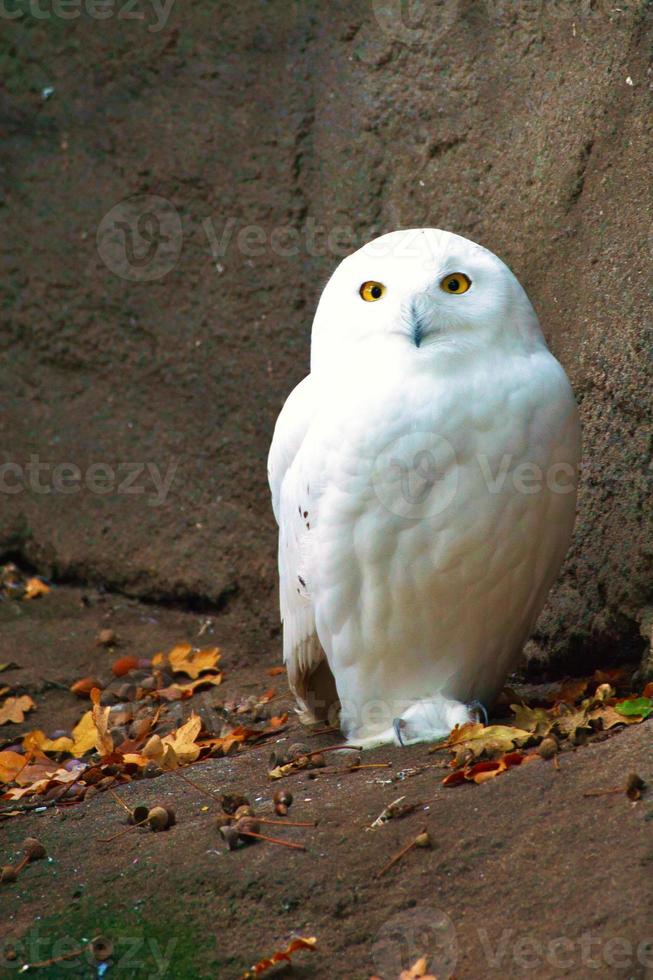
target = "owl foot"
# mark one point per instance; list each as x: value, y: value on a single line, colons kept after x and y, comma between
x: 398, y: 724
x: 478, y: 711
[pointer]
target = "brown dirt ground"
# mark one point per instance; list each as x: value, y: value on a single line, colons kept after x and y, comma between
x: 524, y: 126
x: 536, y: 880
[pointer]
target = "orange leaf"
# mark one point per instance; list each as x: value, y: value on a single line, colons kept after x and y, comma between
x: 11, y: 763
x: 178, y: 692
x: 417, y: 971
x: 34, y: 588
x: 100, y: 715
x: 36, y: 743
x: 184, y: 660
x: 83, y: 687
x: 282, y: 956
x: 648, y: 690
x: 14, y: 709
x: 278, y: 720
x: 124, y: 665
x: 275, y: 671
x: 481, y: 772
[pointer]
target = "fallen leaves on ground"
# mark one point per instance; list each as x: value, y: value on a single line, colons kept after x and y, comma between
x: 480, y: 772
x: 15, y: 585
x: 418, y: 971
x: 183, y: 659
x: 11, y: 763
x: 281, y: 956
x: 14, y: 709
x: 482, y: 752
x: 35, y: 588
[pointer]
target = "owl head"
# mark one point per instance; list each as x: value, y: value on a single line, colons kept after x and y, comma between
x: 423, y: 293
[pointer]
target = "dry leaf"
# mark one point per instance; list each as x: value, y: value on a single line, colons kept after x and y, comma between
x: 275, y: 671
x: 480, y: 739
x: 100, y: 716
x: 417, y: 971
x: 11, y: 763
x: 84, y: 735
x: 38, y: 742
x: 83, y: 687
x: 14, y: 709
x: 180, y: 747
x: 179, y: 692
x: 481, y: 772
x: 34, y: 588
x: 184, y: 660
x: 282, y: 956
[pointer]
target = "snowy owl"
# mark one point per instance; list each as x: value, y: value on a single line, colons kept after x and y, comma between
x: 423, y: 478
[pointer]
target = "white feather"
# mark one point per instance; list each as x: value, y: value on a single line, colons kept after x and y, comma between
x: 413, y: 552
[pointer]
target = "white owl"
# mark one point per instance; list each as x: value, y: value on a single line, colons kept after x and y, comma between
x: 423, y: 477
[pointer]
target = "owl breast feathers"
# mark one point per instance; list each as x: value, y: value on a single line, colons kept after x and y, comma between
x: 423, y: 477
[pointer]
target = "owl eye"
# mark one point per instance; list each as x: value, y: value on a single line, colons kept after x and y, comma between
x: 457, y: 283
x: 371, y: 291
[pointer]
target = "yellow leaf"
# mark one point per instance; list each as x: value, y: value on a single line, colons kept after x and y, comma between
x: 84, y: 735
x: 36, y: 741
x: 539, y: 721
x: 11, y: 764
x: 100, y: 715
x: 178, y: 692
x: 182, y: 743
x: 488, y: 739
x: 34, y: 588
x: 184, y: 660
x: 14, y: 709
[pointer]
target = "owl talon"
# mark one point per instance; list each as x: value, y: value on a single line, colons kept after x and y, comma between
x: 478, y: 709
x: 398, y: 724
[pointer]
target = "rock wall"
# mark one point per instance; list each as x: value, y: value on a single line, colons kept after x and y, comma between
x: 176, y: 189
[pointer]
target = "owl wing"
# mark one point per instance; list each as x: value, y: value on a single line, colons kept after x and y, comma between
x: 302, y: 652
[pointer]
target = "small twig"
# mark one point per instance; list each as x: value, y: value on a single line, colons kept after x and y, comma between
x: 324, y: 731
x: 119, y: 800
x: 398, y: 856
x: 272, y: 840
x: 55, y: 959
x: 288, y: 823
x: 605, y: 792
x: 331, y: 771
x: 107, y: 840
x: 334, y: 748
x: 200, y: 789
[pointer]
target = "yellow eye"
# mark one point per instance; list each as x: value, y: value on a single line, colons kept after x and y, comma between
x: 456, y: 283
x: 371, y: 291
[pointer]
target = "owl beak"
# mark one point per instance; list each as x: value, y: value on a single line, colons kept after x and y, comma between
x: 417, y: 328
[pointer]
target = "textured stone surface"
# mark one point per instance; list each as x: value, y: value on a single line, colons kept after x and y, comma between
x: 526, y: 127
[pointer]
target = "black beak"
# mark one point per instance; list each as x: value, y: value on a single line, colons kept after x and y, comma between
x: 417, y: 326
